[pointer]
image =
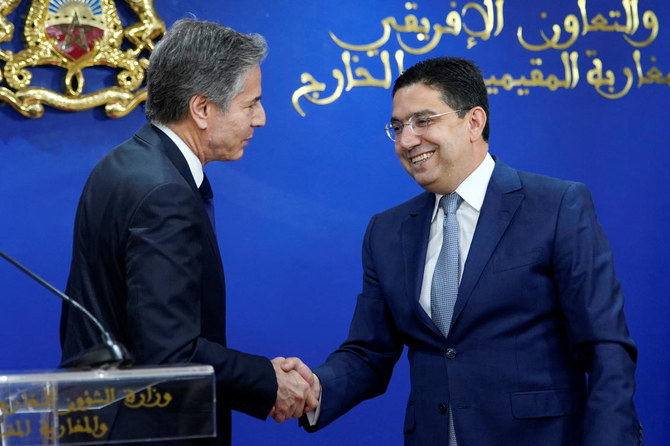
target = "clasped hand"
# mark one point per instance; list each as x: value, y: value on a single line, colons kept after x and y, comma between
x: 298, y: 389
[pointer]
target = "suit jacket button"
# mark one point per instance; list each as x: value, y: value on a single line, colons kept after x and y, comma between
x: 442, y: 408
x: 451, y: 353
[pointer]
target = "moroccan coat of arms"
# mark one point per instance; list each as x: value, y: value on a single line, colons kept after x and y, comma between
x: 75, y: 35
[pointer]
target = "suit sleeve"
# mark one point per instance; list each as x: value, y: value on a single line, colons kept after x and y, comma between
x: 361, y: 367
x: 165, y: 254
x: 592, y: 302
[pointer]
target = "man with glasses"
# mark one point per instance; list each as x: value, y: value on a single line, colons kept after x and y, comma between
x: 500, y: 283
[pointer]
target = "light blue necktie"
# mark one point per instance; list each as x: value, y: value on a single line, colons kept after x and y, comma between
x: 444, y: 289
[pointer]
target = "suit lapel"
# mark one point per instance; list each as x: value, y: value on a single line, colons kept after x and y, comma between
x: 414, y: 236
x: 503, y: 197
x: 156, y: 138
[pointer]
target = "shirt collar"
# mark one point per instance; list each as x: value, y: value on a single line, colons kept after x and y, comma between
x: 473, y: 189
x: 194, y: 164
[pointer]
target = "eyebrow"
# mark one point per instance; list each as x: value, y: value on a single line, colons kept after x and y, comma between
x: 425, y: 111
x: 253, y: 101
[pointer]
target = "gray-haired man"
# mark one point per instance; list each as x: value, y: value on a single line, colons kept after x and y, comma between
x: 145, y: 258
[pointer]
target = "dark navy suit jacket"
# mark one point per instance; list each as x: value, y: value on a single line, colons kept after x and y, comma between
x: 538, y: 353
x: 146, y: 262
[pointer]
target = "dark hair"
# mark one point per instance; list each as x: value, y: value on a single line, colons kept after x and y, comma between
x: 198, y: 57
x: 459, y: 81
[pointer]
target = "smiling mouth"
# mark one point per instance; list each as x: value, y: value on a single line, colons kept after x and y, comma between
x: 421, y: 158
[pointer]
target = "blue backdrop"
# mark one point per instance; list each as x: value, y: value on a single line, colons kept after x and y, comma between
x: 579, y: 90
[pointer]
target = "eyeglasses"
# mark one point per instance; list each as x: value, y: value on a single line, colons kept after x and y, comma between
x: 417, y: 123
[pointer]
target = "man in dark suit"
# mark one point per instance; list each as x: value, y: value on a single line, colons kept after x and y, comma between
x: 145, y: 259
x: 505, y: 296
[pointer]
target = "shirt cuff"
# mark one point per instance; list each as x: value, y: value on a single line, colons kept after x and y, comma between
x: 313, y: 415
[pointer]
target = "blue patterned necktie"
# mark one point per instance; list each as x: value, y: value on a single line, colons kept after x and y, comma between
x: 444, y: 288
x: 207, y: 199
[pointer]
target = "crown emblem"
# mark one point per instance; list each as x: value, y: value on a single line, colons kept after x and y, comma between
x: 74, y: 35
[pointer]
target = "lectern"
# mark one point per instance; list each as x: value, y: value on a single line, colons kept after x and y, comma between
x: 107, y: 406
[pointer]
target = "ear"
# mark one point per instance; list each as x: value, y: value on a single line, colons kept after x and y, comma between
x: 199, y: 109
x: 477, y: 121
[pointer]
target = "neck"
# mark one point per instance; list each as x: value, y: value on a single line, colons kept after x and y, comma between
x: 456, y: 176
x: 190, y: 134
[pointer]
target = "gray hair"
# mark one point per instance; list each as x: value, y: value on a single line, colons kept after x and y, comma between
x: 198, y: 57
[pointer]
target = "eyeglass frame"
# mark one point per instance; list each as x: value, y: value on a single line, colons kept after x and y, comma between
x: 409, y: 123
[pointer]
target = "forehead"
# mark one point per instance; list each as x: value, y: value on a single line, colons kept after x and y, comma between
x: 417, y: 98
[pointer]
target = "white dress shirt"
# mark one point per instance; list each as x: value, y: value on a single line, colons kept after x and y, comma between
x: 472, y: 190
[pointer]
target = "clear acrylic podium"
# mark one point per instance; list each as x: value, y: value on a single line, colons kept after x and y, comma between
x: 107, y: 406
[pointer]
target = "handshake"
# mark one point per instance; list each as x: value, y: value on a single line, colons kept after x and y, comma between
x: 298, y: 389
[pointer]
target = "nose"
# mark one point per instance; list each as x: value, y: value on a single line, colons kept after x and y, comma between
x: 259, y: 116
x: 407, y: 139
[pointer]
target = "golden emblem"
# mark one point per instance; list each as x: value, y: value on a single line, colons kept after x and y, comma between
x: 74, y: 35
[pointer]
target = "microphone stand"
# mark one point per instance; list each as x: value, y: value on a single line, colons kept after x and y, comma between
x: 108, y: 354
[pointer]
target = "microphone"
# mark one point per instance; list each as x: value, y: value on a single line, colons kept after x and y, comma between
x: 108, y: 354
